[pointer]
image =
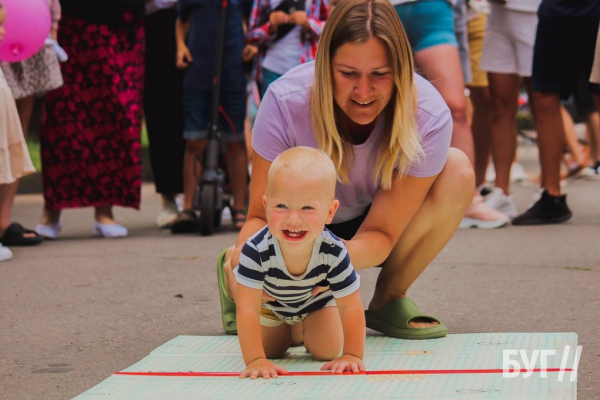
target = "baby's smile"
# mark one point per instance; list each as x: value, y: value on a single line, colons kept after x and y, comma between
x: 293, y: 234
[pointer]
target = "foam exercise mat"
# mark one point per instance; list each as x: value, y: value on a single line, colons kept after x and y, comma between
x: 462, y: 366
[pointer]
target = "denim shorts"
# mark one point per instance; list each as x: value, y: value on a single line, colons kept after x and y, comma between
x: 427, y: 23
x: 196, y: 112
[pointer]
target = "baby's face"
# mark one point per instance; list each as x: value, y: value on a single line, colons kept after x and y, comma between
x: 298, y: 209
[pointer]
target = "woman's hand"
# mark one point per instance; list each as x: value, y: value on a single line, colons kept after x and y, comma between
x: 277, y: 18
x: 299, y: 18
x: 249, y: 52
x: 264, y: 368
x: 184, y: 57
x: 345, y: 362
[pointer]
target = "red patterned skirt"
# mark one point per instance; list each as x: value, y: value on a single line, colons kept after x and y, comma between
x: 90, y: 138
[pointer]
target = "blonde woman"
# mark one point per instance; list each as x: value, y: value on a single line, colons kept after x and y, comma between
x: 402, y: 190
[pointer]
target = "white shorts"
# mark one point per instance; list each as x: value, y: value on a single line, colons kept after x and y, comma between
x: 509, y: 40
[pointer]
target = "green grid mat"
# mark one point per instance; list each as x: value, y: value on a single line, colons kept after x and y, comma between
x: 454, y: 352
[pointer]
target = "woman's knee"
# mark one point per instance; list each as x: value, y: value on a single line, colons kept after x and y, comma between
x: 458, y: 108
x: 457, y: 179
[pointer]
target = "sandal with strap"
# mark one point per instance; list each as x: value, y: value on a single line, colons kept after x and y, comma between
x: 238, y: 216
x: 187, y: 222
x: 14, y: 235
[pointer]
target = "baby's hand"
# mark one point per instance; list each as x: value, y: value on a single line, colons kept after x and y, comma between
x: 343, y: 363
x: 262, y: 368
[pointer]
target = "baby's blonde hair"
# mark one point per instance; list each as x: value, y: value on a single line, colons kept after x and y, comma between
x: 303, y: 162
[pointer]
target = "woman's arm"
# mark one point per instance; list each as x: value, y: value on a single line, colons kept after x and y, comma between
x: 257, y: 217
x: 391, y: 212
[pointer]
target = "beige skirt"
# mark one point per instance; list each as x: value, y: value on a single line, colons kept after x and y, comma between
x: 14, y: 156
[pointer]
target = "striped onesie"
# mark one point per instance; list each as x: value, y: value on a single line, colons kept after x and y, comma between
x: 262, y: 266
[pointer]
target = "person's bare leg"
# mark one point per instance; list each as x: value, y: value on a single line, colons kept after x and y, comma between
x: 481, y: 126
x: 276, y: 340
x: 448, y: 79
x: 237, y: 166
x: 592, y: 121
x: 25, y: 109
x: 571, y: 140
x: 7, y: 197
x: 104, y: 215
x: 323, y: 334
x: 192, y: 170
x: 428, y: 232
x: 50, y: 217
x: 504, y: 92
x: 550, y: 138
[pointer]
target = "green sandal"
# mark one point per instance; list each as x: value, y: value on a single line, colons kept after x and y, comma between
x: 393, y: 321
x: 227, y: 304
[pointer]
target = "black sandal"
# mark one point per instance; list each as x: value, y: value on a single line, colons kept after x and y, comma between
x: 238, y: 216
x: 186, y: 222
x: 14, y: 235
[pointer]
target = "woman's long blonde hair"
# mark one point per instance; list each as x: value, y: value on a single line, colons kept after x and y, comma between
x: 358, y: 21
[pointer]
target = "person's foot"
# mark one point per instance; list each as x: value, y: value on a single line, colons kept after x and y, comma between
x: 168, y: 215
x: 401, y: 318
x: 547, y: 210
x: 5, y: 253
x: 238, y: 216
x: 480, y: 215
x: 501, y: 202
x: 187, y: 222
x: 109, y: 230
x: 377, y: 305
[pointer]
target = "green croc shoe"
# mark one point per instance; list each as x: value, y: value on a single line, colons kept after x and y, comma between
x: 227, y: 305
x: 393, y: 321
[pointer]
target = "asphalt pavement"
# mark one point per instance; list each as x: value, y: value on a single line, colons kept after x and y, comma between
x: 77, y: 309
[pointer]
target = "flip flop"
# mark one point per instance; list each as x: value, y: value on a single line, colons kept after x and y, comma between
x: 393, y: 321
x: 14, y: 235
x: 227, y: 305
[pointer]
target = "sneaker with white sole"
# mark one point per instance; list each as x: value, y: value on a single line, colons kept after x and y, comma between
x: 5, y: 253
x: 168, y: 215
x: 480, y: 215
x: 501, y: 202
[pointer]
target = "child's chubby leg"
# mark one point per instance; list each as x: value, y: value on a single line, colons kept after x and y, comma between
x: 276, y: 340
x: 323, y: 334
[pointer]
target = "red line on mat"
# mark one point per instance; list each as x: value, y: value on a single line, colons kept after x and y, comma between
x: 325, y: 373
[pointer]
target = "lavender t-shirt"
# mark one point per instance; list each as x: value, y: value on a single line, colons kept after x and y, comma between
x: 284, y: 121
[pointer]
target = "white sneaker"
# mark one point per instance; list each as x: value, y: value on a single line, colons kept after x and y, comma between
x: 500, y: 202
x: 5, y: 253
x: 480, y: 215
x: 168, y: 215
x: 517, y: 172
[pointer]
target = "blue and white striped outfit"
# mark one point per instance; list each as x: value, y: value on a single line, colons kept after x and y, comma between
x: 262, y: 266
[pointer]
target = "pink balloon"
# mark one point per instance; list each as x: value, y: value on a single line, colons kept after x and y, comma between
x: 27, y: 26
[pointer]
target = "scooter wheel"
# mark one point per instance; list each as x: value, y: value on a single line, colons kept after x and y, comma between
x: 207, y: 209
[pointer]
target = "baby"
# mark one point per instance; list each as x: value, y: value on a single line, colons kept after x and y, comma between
x: 288, y: 259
